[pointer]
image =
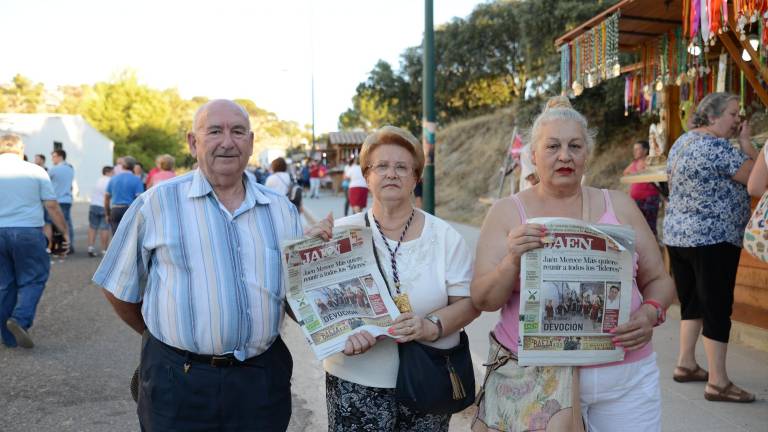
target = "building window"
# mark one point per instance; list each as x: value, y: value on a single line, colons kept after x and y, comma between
x: 57, y: 145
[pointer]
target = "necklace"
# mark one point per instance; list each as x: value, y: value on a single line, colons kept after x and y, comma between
x: 393, y: 253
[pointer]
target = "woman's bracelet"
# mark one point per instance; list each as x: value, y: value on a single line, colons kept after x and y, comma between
x: 661, y: 313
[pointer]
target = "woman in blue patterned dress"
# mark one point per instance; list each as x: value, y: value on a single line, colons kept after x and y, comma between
x: 703, y: 227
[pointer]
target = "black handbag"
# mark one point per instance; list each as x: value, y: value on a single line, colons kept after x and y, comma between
x: 433, y: 380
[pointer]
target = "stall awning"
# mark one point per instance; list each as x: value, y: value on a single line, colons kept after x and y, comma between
x: 640, y: 22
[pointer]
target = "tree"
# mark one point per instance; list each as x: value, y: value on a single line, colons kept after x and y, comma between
x: 483, y: 63
x: 142, y: 121
x: 21, y: 96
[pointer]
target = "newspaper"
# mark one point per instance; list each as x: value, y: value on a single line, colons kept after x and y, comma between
x: 573, y: 292
x: 335, y: 289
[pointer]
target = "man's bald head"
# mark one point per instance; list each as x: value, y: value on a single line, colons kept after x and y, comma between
x: 203, y: 111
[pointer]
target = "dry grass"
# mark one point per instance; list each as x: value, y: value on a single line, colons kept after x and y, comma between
x: 468, y: 160
x: 470, y: 154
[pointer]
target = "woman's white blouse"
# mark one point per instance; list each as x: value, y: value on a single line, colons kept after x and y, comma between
x: 432, y: 267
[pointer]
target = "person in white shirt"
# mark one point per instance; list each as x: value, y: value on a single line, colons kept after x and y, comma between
x: 279, y: 180
x: 421, y: 256
x: 358, y: 187
x: 97, y: 221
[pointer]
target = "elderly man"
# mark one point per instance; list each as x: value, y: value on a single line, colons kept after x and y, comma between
x: 196, y: 263
x: 24, y: 265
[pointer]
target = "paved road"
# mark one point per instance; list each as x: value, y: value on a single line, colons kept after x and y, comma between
x: 76, y: 378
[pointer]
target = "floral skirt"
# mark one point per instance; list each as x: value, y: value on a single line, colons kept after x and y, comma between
x: 520, y: 398
x: 354, y: 407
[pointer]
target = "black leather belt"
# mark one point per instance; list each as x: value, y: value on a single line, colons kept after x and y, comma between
x: 223, y: 360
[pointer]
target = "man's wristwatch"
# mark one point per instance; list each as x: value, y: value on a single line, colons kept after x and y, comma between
x: 661, y: 313
x: 434, y: 319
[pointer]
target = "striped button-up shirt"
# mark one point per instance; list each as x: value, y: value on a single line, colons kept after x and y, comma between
x: 210, y: 280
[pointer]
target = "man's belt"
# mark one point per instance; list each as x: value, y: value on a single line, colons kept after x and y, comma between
x: 223, y: 360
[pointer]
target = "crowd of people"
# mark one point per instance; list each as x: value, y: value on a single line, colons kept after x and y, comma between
x: 194, y: 267
x: 37, y: 205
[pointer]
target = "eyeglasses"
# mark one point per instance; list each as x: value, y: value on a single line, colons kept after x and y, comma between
x: 401, y: 169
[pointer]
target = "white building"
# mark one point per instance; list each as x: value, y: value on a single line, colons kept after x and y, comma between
x: 88, y: 150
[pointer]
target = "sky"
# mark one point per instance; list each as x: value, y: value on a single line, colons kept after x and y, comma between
x: 266, y: 51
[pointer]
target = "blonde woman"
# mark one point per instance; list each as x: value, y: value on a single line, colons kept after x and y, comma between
x: 616, y: 396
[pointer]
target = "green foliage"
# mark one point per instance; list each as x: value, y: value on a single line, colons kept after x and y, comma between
x: 21, y: 96
x: 482, y: 63
x: 142, y: 121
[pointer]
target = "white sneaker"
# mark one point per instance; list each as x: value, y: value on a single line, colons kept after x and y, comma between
x: 91, y: 251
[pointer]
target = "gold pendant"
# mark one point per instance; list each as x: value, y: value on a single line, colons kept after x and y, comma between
x: 402, y: 303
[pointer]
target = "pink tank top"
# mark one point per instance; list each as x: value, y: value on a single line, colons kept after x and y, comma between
x: 507, y: 329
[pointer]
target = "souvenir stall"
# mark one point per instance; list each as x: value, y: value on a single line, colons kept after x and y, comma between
x: 682, y: 50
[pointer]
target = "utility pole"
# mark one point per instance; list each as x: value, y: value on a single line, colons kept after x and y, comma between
x: 428, y: 125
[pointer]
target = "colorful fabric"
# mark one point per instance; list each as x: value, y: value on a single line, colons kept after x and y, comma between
x: 520, y: 398
x: 210, y: 280
x: 706, y: 206
x: 354, y: 407
x: 756, y: 232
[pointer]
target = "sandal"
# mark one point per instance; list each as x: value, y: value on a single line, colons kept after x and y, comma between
x: 729, y: 393
x: 690, y: 375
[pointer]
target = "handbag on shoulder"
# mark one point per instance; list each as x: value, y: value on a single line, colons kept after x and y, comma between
x: 433, y: 380
x: 756, y: 233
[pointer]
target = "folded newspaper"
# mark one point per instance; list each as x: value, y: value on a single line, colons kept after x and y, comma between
x: 573, y: 292
x: 335, y: 289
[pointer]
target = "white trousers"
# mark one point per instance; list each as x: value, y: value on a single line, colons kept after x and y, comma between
x: 314, y: 187
x: 623, y: 397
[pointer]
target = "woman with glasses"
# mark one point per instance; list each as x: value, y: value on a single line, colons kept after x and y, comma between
x: 421, y: 257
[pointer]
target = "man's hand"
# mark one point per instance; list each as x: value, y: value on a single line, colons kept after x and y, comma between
x: 322, y: 229
x: 359, y: 343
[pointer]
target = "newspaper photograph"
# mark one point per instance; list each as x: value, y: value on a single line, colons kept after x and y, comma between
x: 573, y: 292
x: 335, y: 289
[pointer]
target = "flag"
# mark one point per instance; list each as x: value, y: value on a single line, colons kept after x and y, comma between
x: 516, y: 147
